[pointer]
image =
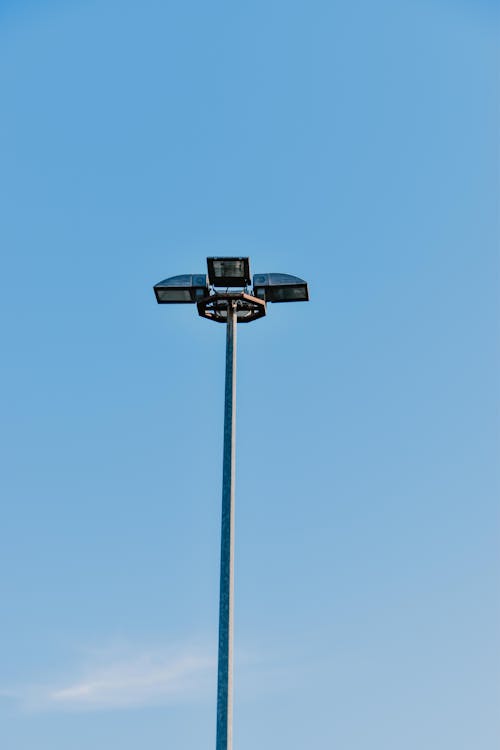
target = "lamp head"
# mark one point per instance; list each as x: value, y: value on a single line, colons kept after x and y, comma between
x: 280, y: 287
x: 228, y: 272
x: 181, y: 289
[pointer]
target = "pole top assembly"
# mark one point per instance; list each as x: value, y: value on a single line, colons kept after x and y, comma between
x: 228, y: 280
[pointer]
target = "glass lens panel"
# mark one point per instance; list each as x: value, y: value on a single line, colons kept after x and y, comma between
x: 228, y: 268
x: 287, y: 293
x: 174, y: 295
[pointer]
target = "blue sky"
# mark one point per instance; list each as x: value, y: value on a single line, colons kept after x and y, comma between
x: 352, y: 144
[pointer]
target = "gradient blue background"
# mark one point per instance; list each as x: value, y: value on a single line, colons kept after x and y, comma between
x: 355, y: 145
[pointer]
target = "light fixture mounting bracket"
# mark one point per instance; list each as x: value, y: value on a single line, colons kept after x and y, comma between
x: 215, y: 307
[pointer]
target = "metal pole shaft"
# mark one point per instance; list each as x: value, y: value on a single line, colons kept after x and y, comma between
x: 225, y: 669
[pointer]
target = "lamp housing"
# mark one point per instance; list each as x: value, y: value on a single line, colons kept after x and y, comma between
x: 187, y: 288
x: 280, y: 287
x: 229, y: 272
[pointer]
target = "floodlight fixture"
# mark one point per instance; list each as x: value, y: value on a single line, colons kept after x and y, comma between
x: 280, y: 287
x: 181, y: 289
x: 227, y: 272
x: 237, y: 303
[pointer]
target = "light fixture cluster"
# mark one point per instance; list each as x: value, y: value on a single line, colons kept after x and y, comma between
x: 231, y: 274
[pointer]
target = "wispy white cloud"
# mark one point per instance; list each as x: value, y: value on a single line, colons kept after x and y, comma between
x: 130, y: 678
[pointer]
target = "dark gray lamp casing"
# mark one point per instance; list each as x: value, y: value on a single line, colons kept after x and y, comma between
x: 280, y: 287
x: 187, y: 288
x: 226, y: 272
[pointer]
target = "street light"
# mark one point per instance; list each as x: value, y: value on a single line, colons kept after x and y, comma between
x: 181, y: 289
x: 280, y: 287
x: 236, y: 304
x: 229, y: 271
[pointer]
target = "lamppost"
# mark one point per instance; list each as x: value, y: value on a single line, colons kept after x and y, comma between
x: 237, y: 303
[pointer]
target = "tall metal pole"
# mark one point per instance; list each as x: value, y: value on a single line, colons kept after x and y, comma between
x: 225, y: 670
